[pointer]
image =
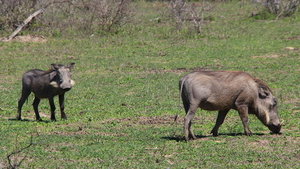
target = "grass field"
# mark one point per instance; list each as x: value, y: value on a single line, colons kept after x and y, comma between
x: 120, y: 112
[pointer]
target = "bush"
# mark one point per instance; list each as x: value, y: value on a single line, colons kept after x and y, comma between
x: 264, y: 15
x: 190, y: 13
x: 80, y: 16
x: 14, y: 12
x: 281, y: 8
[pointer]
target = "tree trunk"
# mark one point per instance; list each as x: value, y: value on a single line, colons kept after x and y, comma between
x: 24, y: 24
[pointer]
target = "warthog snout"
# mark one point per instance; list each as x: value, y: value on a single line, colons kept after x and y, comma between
x: 66, y: 86
x: 275, y: 128
x: 67, y: 89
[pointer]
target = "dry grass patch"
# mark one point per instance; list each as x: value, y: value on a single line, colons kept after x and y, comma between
x: 30, y: 38
x: 266, y: 56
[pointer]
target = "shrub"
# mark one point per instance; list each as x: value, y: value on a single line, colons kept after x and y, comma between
x: 80, y: 16
x: 189, y: 13
x: 281, y: 8
x: 14, y: 12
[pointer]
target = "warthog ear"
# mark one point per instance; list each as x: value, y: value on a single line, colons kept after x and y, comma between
x: 54, y: 66
x: 263, y: 92
x: 52, y: 75
x: 71, y: 65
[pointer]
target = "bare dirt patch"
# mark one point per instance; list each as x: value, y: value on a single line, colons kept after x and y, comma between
x: 184, y: 70
x: 266, y: 56
x: 180, y: 70
x: 153, y: 120
x: 30, y: 38
x: 260, y: 143
x: 82, y: 129
x: 78, y: 132
x: 292, y: 38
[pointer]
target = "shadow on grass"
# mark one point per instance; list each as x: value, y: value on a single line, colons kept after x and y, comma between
x: 181, y: 138
x: 27, y: 120
x: 253, y: 134
x: 239, y: 134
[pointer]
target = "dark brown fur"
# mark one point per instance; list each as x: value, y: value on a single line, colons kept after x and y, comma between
x: 46, y: 84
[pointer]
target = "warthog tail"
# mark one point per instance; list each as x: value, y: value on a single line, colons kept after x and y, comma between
x: 180, y: 95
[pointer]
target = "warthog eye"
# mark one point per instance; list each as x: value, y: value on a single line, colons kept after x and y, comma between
x: 275, y: 102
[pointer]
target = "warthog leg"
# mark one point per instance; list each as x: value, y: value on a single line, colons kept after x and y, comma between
x: 62, y: 106
x: 52, y: 107
x: 188, y: 132
x: 25, y: 94
x: 220, y: 119
x: 35, y: 104
x: 243, y: 112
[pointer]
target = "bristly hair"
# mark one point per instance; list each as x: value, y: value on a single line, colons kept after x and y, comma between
x: 50, y: 70
x: 47, y: 72
x: 262, y: 84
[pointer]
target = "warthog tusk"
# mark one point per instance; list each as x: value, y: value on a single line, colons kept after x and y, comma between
x: 73, y: 82
x: 281, y: 123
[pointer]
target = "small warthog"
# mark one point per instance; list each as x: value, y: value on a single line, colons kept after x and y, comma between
x: 225, y: 90
x: 46, y: 84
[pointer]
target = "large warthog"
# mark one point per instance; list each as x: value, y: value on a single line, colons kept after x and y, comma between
x: 46, y: 84
x: 225, y: 90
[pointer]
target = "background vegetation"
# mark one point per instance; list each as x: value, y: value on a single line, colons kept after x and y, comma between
x: 120, y: 112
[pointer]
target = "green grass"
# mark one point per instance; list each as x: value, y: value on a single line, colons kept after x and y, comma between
x: 120, y: 112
